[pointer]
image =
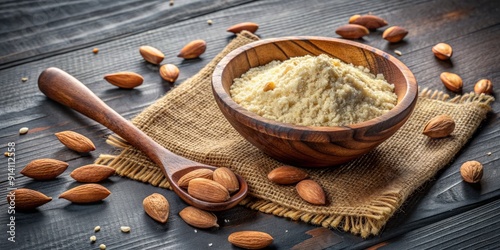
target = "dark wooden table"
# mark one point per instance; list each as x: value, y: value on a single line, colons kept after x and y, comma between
x: 446, y: 213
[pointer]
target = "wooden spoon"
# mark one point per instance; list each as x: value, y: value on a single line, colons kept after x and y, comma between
x: 67, y: 90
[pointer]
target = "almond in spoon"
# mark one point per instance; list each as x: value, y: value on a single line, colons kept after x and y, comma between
x: 226, y: 178
x: 197, y: 173
x: 207, y: 190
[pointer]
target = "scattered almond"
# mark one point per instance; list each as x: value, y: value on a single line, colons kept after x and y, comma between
x: 442, y: 51
x: 471, y: 171
x: 193, y: 49
x: 227, y: 178
x: 207, y: 190
x: 248, y: 26
x: 197, y: 173
x: 311, y: 192
x: 151, y: 54
x: 157, y: 207
x: 198, y: 218
x: 92, y: 173
x: 75, y: 141
x: 286, y: 175
x: 439, y: 126
x: 483, y: 86
x: 125, y: 79
x: 44, y: 169
x: 352, y: 31
x: 394, y: 34
x: 250, y: 239
x: 452, y: 81
x: 86, y: 193
x: 368, y: 21
x: 169, y: 72
x: 27, y: 199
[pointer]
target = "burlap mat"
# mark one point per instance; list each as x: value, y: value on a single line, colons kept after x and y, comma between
x: 362, y: 194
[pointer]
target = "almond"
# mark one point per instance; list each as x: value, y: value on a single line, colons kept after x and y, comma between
x: 44, y: 169
x: 169, y: 72
x: 75, y: 141
x: 198, y: 218
x: 394, y: 34
x: 311, y: 192
x: 250, y: 239
x: 227, y: 178
x: 193, y: 49
x: 471, y: 171
x: 352, y: 31
x: 442, y: 51
x: 248, y: 26
x: 439, y: 126
x: 286, y: 175
x: 125, y: 79
x: 451, y: 81
x: 369, y: 21
x: 207, y: 190
x: 86, y: 193
x: 151, y: 54
x: 92, y: 173
x: 483, y: 86
x: 157, y: 206
x: 27, y: 199
x: 198, y: 173
x: 353, y: 18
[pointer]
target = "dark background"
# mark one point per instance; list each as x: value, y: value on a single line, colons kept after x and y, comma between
x: 445, y: 213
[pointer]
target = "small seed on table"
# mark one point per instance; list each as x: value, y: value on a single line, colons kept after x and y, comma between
x: 102, y: 246
x: 97, y: 228
x: 125, y: 229
x: 23, y: 130
x: 93, y: 238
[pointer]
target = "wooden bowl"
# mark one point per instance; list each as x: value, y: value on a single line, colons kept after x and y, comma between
x: 310, y: 146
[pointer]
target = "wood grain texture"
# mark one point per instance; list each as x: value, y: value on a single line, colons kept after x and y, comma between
x: 313, y: 146
x: 471, y: 27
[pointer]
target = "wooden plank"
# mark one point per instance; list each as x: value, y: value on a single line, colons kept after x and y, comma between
x: 32, y: 30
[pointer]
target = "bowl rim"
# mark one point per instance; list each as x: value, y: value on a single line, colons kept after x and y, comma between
x: 408, y: 101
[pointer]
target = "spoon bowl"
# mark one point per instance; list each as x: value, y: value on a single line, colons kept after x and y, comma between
x: 67, y: 90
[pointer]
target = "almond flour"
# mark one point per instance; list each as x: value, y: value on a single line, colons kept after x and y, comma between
x: 314, y: 91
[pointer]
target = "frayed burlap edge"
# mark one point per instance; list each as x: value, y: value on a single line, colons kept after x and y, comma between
x: 365, y: 225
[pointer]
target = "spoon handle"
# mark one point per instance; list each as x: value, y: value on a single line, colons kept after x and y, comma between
x: 67, y: 90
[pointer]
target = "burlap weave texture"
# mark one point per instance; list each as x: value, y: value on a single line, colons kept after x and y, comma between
x: 362, y: 195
